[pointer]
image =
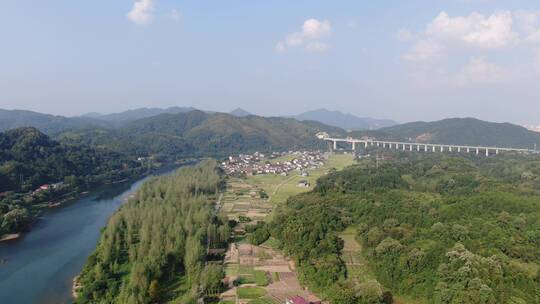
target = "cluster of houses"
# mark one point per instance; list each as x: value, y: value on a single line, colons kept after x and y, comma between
x: 258, y: 163
x: 47, y: 187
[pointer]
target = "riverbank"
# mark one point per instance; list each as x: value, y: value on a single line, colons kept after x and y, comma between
x: 9, y: 237
x: 59, y: 244
x: 64, y: 199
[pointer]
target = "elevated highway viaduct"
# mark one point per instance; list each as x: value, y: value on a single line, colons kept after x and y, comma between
x: 422, y: 147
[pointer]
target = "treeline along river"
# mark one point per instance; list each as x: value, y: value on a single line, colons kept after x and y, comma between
x: 40, y: 267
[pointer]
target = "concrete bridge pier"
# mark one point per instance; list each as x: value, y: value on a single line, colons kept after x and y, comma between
x: 410, y: 147
x: 433, y: 148
x: 354, y: 146
x: 487, y: 152
x: 335, y: 145
x: 459, y: 149
x: 477, y: 151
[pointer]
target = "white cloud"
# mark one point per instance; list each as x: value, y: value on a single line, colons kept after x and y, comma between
x: 175, y: 15
x: 425, y: 51
x: 317, y: 47
x: 440, y: 55
x: 315, y: 29
x: 310, y: 37
x: 353, y: 24
x: 280, y: 48
x: 142, y: 12
x: 404, y: 35
x: 476, y: 30
x: 537, y: 60
x: 479, y: 71
x: 529, y: 22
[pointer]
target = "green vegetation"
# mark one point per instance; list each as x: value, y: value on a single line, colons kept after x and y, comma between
x: 29, y: 159
x: 197, y: 133
x: 154, y: 248
x: 251, y: 292
x: 46, y: 123
x: 261, y: 301
x: 248, y: 275
x: 464, y: 131
x: 432, y: 228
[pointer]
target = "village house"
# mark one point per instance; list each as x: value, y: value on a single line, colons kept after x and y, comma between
x: 252, y: 164
x: 300, y: 300
x: 303, y: 184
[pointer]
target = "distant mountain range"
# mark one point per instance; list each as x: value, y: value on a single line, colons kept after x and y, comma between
x: 344, y: 120
x: 185, y: 129
x: 135, y: 114
x: 50, y: 124
x: 239, y: 112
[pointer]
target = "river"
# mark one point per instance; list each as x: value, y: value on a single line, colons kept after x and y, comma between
x: 40, y: 266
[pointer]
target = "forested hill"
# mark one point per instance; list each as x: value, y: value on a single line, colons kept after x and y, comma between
x: 49, y: 124
x: 466, y: 131
x: 153, y: 249
x: 32, y: 157
x: 435, y: 228
x: 198, y: 133
x: 120, y: 118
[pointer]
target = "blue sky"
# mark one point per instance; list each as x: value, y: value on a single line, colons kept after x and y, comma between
x: 404, y: 60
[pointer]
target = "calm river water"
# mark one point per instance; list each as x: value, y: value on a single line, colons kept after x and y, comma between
x: 41, y: 265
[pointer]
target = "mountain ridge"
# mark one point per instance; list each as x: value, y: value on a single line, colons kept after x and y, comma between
x: 342, y: 120
x: 465, y: 131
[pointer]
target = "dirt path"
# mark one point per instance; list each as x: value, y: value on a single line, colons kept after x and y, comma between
x: 283, y: 183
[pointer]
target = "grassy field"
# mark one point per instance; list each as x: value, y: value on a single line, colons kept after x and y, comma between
x: 251, y: 292
x: 358, y: 267
x: 248, y: 275
x: 279, y: 188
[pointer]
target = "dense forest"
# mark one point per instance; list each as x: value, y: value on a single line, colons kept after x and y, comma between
x: 154, y: 248
x: 197, y: 133
x: 29, y: 159
x: 46, y: 123
x: 445, y: 229
x: 464, y: 131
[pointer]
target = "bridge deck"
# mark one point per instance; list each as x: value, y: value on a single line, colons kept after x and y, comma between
x: 425, y: 145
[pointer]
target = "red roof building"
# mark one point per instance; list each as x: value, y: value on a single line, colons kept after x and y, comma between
x: 297, y: 300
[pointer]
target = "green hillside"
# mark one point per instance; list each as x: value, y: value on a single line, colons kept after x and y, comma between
x: 29, y: 159
x: 48, y: 124
x: 466, y: 131
x: 429, y: 228
x: 197, y: 133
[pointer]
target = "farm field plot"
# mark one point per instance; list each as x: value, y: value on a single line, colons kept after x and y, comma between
x: 243, y: 200
x: 262, y: 274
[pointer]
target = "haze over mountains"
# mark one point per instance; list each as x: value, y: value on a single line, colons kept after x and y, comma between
x: 466, y: 131
x: 183, y: 128
x: 52, y: 124
x: 135, y: 114
x: 345, y: 121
